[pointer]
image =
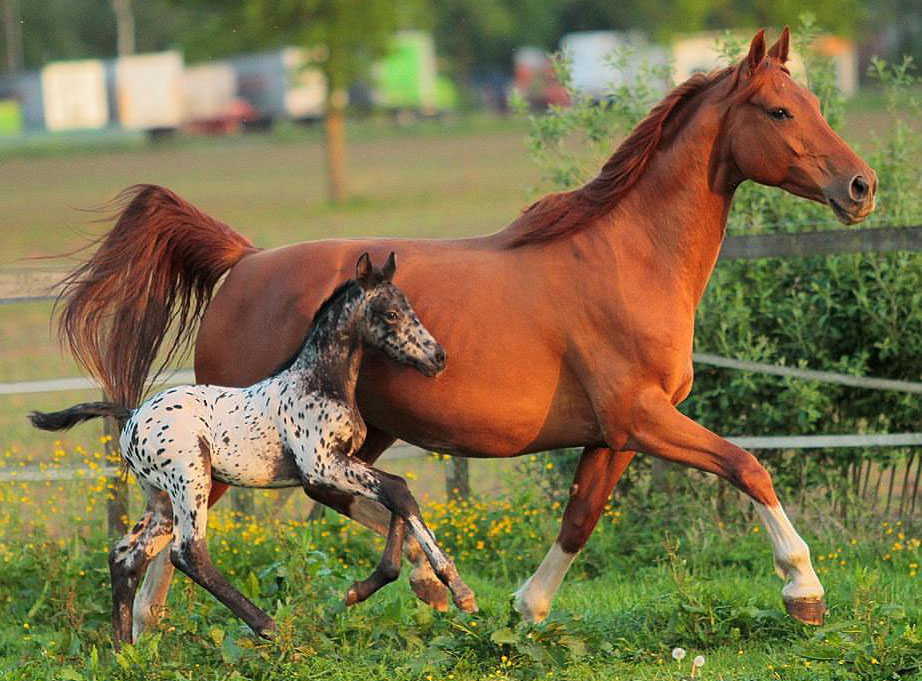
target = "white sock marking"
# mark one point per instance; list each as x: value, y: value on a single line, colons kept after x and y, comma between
x: 533, y: 599
x: 792, y: 555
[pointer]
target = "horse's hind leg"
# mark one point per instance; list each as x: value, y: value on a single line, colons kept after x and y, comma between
x: 388, y: 568
x: 130, y: 557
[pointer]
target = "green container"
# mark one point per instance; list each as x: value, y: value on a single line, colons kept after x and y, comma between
x: 10, y: 117
x: 406, y: 77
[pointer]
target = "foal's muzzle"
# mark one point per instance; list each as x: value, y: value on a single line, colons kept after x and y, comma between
x: 436, y: 362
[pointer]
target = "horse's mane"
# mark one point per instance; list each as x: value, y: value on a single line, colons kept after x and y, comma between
x: 562, y: 213
x: 334, y: 299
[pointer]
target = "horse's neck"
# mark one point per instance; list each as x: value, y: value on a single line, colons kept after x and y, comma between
x: 330, y: 359
x: 675, y: 217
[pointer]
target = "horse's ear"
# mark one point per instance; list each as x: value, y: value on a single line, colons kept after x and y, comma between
x: 780, y: 49
x: 387, y: 272
x: 364, y: 272
x: 756, y: 50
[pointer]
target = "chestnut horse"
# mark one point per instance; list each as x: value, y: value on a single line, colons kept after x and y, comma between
x: 571, y: 327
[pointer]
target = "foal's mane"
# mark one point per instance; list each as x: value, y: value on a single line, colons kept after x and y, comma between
x: 334, y: 298
x: 558, y: 214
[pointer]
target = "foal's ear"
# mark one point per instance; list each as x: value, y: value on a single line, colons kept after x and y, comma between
x: 387, y: 272
x: 364, y: 272
x: 780, y: 49
x: 756, y: 50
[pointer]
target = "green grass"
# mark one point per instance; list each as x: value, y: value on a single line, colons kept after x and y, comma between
x: 639, y: 592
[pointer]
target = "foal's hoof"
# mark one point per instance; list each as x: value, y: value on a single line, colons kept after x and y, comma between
x: 267, y: 631
x: 807, y: 610
x: 431, y: 592
x: 463, y: 597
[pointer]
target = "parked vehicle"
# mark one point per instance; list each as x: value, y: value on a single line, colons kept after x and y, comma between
x: 407, y: 79
x: 74, y: 95
x: 281, y: 84
x: 148, y: 91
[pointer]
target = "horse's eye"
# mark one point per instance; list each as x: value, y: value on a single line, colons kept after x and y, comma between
x: 391, y: 316
x: 779, y: 113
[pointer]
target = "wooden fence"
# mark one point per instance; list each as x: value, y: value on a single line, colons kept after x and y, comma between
x: 22, y: 285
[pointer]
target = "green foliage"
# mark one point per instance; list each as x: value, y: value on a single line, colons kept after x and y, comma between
x: 570, y: 143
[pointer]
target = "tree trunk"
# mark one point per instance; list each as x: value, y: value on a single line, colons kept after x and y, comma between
x: 457, y: 478
x: 124, y: 26
x: 336, y: 146
x: 12, y: 32
x: 117, y: 496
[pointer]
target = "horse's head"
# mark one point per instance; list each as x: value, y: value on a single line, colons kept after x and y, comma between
x: 390, y: 325
x: 775, y: 135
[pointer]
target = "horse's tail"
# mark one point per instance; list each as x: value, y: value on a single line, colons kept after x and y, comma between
x: 157, y: 266
x: 70, y: 417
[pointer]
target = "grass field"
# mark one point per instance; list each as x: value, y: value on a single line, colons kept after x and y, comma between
x: 650, y: 580
x: 656, y: 575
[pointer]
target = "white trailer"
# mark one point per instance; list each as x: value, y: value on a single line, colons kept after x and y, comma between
x: 74, y: 95
x: 592, y: 56
x: 149, y: 90
x: 209, y: 92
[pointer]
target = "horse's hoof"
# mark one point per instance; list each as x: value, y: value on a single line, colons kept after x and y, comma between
x: 431, y: 592
x: 807, y: 610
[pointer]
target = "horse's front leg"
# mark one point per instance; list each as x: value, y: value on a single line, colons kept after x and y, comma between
x: 388, y: 568
x: 597, y: 472
x: 657, y: 428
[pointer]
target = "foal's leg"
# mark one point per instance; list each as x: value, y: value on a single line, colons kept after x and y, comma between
x: 661, y: 430
x: 149, y: 601
x: 345, y: 474
x: 423, y: 580
x: 388, y: 568
x: 598, y: 470
x: 188, y: 480
x: 130, y: 557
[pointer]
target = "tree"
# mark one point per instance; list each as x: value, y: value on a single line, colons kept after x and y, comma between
x: 350, y: 34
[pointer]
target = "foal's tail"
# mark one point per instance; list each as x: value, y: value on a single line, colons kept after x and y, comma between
x: 156, y: 267
x: 70, y: 417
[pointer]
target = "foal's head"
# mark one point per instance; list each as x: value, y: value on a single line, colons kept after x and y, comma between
x: 390, y: 325
x: 775, y: 134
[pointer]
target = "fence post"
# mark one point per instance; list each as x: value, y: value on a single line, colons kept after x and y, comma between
x: 457, y: 478
x: 117, y: 496
x: 242, y: 500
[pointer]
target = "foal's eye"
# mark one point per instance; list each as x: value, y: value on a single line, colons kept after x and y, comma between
x: 779, y: 113
x: 391, y: 316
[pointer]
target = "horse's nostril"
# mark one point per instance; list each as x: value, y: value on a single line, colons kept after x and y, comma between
x: 858, y: 189
x: 439, y: 355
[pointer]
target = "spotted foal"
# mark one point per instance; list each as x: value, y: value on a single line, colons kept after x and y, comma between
x: 297, y: 427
